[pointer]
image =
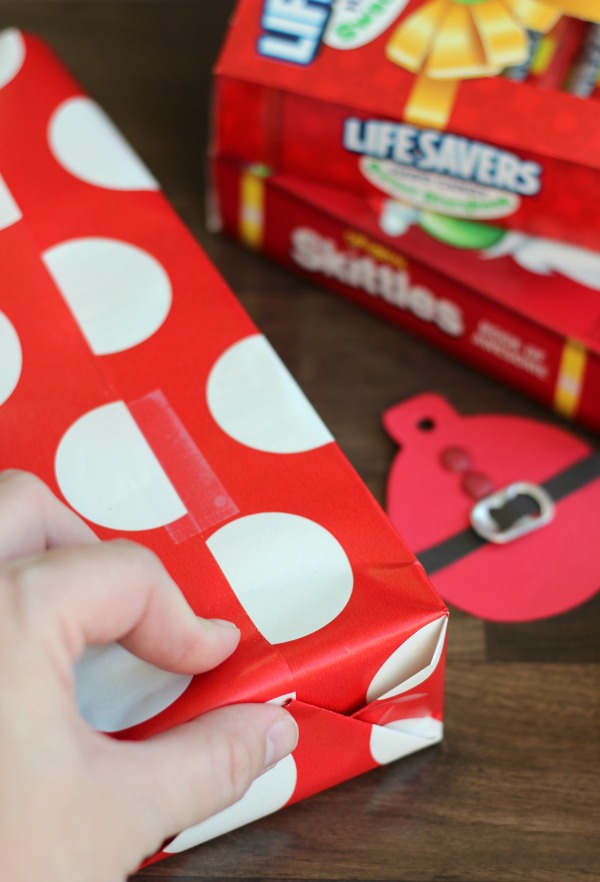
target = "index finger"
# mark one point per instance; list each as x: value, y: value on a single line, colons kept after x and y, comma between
x: 116, y: 590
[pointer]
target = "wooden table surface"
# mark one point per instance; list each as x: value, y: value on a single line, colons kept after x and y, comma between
x: 512, y: 793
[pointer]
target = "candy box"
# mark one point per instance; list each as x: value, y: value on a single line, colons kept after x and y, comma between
x: 526, y: 310
x: 134, y: 384
x: 448, y: 105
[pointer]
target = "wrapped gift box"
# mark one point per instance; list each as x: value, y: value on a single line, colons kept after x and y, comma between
x: 524, y: 309
x: 420, y: 100
x: 134, y: 384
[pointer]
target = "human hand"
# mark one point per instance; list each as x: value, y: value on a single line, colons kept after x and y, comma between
x: 76, y: 805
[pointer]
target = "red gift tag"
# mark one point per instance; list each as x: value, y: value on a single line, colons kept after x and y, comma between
x: 502, y: 510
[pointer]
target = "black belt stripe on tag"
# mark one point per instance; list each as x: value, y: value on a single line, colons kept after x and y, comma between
x: 583, y: 472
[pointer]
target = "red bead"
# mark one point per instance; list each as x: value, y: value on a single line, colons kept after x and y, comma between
x: 455, y: 459
x: 476, y: 485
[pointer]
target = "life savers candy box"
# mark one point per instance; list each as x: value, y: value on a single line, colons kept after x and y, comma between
x: 526, y: 310
x: 134, y: 384
x: 451, y: 106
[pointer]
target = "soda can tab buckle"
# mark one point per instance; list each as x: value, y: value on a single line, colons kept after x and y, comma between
x: 512, y: 512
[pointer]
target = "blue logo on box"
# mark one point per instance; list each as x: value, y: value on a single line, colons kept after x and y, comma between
x: 292, y: 30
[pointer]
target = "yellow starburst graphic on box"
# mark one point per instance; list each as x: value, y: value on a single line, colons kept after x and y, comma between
x: 446, y: 41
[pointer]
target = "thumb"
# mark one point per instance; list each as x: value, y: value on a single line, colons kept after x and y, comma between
x: 189, y: 773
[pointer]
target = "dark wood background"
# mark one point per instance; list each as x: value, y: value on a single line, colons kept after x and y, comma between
x: 512, y: 794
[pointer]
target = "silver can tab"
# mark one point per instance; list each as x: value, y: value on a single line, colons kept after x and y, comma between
x: 512, y: 512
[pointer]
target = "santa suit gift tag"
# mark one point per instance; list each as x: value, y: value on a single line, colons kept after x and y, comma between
x: 502, y: 511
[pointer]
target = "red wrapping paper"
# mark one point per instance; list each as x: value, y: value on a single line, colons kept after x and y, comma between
x: 134, y: 384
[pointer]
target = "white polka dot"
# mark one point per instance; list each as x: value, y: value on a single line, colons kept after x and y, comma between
x: 282, y: 700
x: 290, y: 574
x: 85, y: 141
x: 12, y: 55
x: 109, y: 474
x: 11, y: 359
x: 266, y: 795
x: 403, y: 737
x: 255, y: 400
x: 412, y: 663
x: 116, y: 690
x: 10, y: 212
x: 119, y: 294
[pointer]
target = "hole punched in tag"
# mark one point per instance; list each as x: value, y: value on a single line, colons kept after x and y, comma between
x: 512, y: 512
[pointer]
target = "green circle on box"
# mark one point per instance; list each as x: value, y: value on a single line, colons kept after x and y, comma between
x: 458, y: 232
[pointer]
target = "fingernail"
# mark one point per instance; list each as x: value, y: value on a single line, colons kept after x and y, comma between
x: 223, y: 623
x: 282, y: 738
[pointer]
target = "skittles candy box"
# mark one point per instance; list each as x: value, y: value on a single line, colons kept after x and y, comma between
x: 459, y: 107
x: 135, y: 385
x: 524, y: 309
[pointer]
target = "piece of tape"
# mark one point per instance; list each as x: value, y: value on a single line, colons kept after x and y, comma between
x: 207, y: 501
